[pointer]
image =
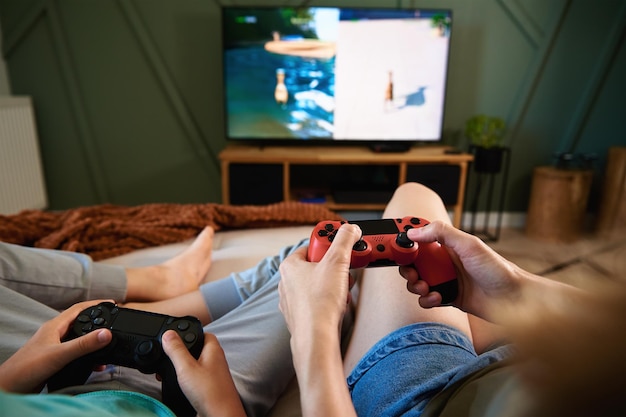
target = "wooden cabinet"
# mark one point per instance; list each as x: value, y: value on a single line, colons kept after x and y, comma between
x: 342, y: 177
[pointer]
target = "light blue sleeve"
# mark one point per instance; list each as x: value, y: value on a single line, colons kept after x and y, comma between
x: 224, y: 295
x: 93, y: 404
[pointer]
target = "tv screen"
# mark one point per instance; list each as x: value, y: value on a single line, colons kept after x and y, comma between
x: 335, y: 74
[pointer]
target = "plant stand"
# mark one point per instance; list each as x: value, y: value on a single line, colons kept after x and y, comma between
x: 485, y: 182
x: 558, y: 202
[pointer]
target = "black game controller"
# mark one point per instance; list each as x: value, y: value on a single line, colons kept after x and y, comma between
x: 136, y: 344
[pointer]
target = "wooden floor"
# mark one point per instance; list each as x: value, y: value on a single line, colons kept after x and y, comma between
x: 583, y: 261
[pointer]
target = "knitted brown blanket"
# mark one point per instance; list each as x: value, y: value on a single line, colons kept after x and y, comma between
x: 104, y: 231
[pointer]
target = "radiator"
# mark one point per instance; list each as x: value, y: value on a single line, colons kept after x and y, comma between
x: 21, y: 175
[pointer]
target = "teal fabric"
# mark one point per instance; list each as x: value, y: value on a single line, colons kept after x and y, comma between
x: 92, y: 404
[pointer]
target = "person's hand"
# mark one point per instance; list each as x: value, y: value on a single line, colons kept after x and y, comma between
x: 44, y: 354
x: 317, y: 293
x: 484, y: 276
x: 314, y: 297
x: 206, y: 382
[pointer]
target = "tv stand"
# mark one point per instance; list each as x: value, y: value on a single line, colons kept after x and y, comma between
x: 341, y: 177
x: 390, y: 147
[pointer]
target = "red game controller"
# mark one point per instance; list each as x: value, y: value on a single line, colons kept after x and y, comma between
x: 385, y: 243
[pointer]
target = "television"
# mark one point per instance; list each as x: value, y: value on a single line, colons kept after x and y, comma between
x: 335, y: 74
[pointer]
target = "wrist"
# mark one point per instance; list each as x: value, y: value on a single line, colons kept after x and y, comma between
x: 307, y: 339
x: 319, y: 369
x: 315, y: 345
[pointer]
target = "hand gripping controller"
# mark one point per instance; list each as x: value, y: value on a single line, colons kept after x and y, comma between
x: 136, y: 344
x: 385, y: 243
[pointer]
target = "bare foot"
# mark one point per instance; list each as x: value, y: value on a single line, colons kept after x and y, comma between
x: 179, y: 275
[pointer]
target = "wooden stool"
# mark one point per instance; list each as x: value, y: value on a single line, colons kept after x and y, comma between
x: 558, y: 203
x: 612, y: 210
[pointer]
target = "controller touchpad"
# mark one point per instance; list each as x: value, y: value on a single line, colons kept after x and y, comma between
x: 377, y: 227
x: 129, y: 321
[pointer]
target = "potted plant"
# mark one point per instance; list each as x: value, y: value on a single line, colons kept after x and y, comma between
x: 486, y: 135
x: 442, y: 23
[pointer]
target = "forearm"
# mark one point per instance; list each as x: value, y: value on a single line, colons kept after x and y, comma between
x: 546, y: 290
x: 525, y: 291
x: 319, y: 368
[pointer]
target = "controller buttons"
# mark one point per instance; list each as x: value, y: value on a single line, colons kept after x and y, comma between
x: 359, y: 246
x: 329, y: 227
x: 190, y: 338
x: 145, y: 347
x: 380, y: 247
x: 403, y: 241
x: 415, y: 220
x: 182, y: 326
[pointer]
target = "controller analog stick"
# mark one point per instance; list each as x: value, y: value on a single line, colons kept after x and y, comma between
x: 144, y: 348
x: 403, y: 240
x: 360, y: 246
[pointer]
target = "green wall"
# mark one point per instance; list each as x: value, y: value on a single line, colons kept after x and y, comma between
x: 127, y: 93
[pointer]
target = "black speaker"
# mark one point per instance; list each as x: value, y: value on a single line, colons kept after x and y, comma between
x: 443, y: 179
x: 256, y: 184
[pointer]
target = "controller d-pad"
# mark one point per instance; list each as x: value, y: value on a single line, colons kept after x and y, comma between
x: 415, y: 220
x: 83, y: 318
x: 99, y: 321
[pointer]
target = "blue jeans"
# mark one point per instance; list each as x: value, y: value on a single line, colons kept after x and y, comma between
x: 404, y: 370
